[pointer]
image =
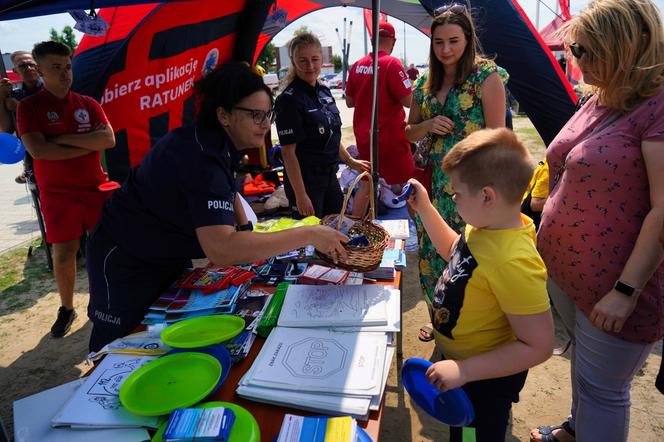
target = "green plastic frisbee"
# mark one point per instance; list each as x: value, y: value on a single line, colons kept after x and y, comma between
x: 202, y: 331
x: 174, y: 381
x: 245, y: 428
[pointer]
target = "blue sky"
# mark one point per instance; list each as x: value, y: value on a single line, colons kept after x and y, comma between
x: 22, y: 34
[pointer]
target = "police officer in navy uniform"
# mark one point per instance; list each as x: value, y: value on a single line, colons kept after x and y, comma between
x: 309, y: 128
x: 180, y: 203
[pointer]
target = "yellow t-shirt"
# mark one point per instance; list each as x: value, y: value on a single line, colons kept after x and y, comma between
x: 539, y: 183
x: 490, y: 273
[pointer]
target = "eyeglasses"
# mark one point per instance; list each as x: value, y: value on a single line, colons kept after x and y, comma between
x: 259, y: 115
x: 454, y: 8
x: 577, y: 50
x: 26, y: 65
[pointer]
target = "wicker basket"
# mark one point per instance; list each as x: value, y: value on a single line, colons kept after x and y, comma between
x: 359, y: 258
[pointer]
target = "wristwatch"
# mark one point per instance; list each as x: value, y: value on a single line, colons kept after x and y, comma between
x: 245, y: 227
x: 626, y: 289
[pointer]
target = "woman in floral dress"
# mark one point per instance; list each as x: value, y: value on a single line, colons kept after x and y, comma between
x: 461, y: 93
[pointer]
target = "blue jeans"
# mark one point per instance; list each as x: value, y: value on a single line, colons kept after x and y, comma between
x: 603, y: 367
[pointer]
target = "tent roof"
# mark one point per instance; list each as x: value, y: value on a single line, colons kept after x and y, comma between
x: 550, y: 34
x: 13, y: 9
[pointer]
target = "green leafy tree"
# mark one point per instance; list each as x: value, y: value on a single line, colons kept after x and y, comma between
x: 336, y: 59
x: 301, y: 30
x: 267, y: 56
x: 66, y: 36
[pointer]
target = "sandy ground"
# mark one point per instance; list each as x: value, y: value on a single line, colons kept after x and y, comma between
x: 31, y: 361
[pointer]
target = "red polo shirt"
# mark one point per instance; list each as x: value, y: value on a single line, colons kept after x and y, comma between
x: 395, y: 158
x: 44, y: 112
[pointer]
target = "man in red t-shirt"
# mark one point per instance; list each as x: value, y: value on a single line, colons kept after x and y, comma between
x: 65, y: 133
x: 395, y: 159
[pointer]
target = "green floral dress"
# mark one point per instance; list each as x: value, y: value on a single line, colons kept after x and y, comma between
x: 464, y: 107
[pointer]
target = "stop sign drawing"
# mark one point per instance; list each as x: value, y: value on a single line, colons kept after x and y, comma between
x: 315, y: 358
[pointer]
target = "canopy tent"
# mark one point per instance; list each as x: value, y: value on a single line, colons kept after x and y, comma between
x: 550, y: 35
x: 144, y: 69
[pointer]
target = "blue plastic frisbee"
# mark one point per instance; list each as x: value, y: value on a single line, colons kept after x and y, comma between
x: 452, y: 407
x: 219, y: 352
x: 405, y: 193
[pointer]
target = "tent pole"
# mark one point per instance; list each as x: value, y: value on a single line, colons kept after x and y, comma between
x: 375, y: 13
x: 3, y: 68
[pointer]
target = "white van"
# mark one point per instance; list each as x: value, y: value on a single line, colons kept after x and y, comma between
x: 272, y: 81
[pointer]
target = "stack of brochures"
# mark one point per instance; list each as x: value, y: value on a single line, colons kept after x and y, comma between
x: 317, y: 428
x: 180, y: 304
x: 396, y: 228
x: 331, y: 351
x: 320, y: 370
x: 201, y: 424
x: 200, y: 292
x: 394, y: 258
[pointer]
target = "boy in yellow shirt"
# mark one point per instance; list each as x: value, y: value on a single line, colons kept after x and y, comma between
x: 490, y: 311
x: 536, y: 193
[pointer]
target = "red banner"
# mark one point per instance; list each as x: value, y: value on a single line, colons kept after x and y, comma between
x: 369, y: 24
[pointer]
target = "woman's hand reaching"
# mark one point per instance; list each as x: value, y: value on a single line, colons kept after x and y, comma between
x: 328, y: 240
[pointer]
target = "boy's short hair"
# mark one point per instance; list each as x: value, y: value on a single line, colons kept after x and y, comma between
x: 45, y: 48
x: 494, y: 158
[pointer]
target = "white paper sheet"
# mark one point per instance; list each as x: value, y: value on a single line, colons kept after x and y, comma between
x: 32, y: 420
x: 97, y: 404
x: 393, y: 307
x: 328, y: 305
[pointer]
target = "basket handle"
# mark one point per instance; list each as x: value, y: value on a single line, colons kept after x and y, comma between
x: 371, y: 214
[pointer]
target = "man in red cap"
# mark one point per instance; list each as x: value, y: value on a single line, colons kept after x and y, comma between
x: 395, y: 160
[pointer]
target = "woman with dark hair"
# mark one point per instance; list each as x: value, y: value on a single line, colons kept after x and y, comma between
x: 309, y: 128
x: 603, y: 216
x: 180, y: 204
x: 461, y: 93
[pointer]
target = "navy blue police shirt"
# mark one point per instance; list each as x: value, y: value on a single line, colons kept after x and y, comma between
x: 308, y: 117
x: 186, y: 181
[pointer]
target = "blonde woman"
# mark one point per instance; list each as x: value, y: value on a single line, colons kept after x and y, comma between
x: 601, y: 222
x: 309, y: 128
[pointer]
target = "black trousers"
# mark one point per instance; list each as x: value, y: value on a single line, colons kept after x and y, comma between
x: 122, y: 287
x: 322, y: 188
x: 492, y: 400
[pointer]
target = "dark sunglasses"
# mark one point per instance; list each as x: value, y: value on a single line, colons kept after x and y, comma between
x: 259, y: 115
x: 577, y: 50
x: 455, y: 8
x: 26, y: 65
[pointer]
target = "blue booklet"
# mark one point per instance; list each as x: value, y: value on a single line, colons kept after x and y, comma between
x: 211, y: 424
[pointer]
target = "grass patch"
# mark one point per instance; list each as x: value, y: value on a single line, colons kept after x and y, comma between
x: 530, y: 137
x: 19, y: 275
x: 11, y: 268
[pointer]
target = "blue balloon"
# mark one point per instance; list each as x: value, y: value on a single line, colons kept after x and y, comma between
x: 11, y: 149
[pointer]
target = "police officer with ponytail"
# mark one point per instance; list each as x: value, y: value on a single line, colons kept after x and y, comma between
x: 309, y: 128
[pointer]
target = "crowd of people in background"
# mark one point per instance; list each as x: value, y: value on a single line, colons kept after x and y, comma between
x: 592, y: 241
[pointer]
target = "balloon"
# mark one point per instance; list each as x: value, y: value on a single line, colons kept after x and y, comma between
x: 11, y: 149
